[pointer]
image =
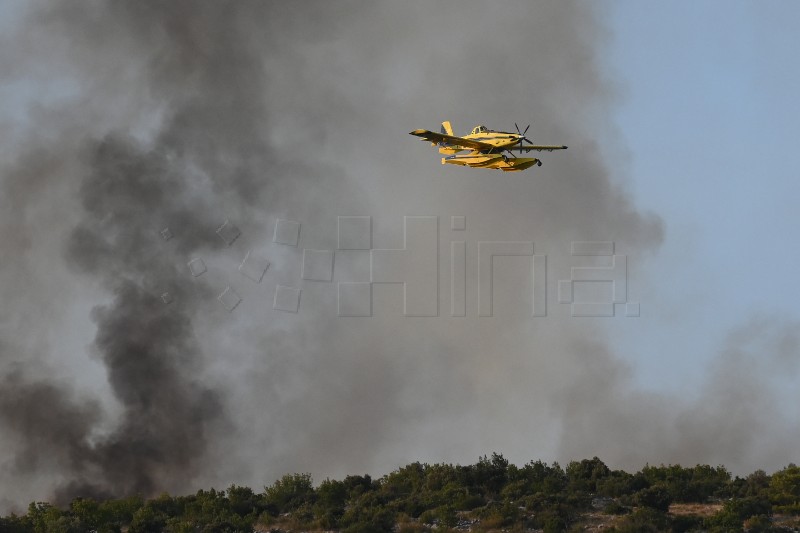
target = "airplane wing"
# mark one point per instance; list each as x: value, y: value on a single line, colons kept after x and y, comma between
x: 538, y: 147
x: 451, y: 140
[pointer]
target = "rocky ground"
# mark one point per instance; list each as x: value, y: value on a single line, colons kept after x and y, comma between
x: 593, y: 521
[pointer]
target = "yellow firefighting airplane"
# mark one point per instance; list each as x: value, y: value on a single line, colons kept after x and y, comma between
x: 486, y: 147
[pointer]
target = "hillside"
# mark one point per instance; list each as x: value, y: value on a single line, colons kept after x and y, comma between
x: 490, y: 495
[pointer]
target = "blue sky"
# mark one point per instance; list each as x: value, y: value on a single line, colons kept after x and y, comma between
x: 711, y: 122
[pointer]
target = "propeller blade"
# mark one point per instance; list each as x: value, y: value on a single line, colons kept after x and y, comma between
x: 515, y: 125
x: 526, y: 130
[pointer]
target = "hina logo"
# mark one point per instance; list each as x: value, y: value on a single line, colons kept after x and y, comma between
x: 415, y: 267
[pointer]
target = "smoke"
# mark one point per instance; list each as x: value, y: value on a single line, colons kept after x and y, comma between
x: 182, y: 115
x: 741, y: 415
x: 128, y: 190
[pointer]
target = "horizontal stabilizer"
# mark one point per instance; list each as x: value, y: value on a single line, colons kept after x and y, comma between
x: 538, y: 147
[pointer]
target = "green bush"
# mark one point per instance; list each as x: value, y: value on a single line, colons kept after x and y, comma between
x: 784, y: 490
x: 615, y: 508
x: 656, y: 497
x: 734, y: 512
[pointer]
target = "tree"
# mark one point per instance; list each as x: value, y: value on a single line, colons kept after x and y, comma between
x: 368, y: 514
x: 87, y: 510
x: 329, y: 506
x: 16, y: 524
x: 290, y: 492
x: 704, y: 482
x: 116, y: 513
x: 358, y: 485
x: 584, y: 475
x: 242, y: 501
x: 542, y: 478
x: 734, y: 512
x: 619, y: 483
x: 148, y: 520
x: 755, y: 484
x: 784, y: 489
x: 491, y: 474
x: 656, y: 497
x: 40, y: 514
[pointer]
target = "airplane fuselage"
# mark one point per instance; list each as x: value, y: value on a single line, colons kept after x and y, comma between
x: 499, y: 139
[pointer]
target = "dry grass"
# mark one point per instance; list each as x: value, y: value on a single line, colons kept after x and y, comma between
x: 784, y: 520
x: 696, y: 509
x: 597, y: 521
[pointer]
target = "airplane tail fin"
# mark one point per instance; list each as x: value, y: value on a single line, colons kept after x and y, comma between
x: 445, y: 148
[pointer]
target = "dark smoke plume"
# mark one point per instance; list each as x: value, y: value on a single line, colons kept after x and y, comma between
x: 196, y: 59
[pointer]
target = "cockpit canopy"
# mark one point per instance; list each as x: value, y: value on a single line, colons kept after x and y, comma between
x: 480, y: 129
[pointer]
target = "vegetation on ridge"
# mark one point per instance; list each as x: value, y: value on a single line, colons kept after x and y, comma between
x: 490, y: 495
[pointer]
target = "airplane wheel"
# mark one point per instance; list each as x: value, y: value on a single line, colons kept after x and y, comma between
x: 539, y: 163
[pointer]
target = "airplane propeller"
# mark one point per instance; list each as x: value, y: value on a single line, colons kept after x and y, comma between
x: 522, y: 137
x: 522, y: 133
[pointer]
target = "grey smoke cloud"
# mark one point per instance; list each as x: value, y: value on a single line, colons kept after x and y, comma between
x: 741, y: 415
x: 185, y: 114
